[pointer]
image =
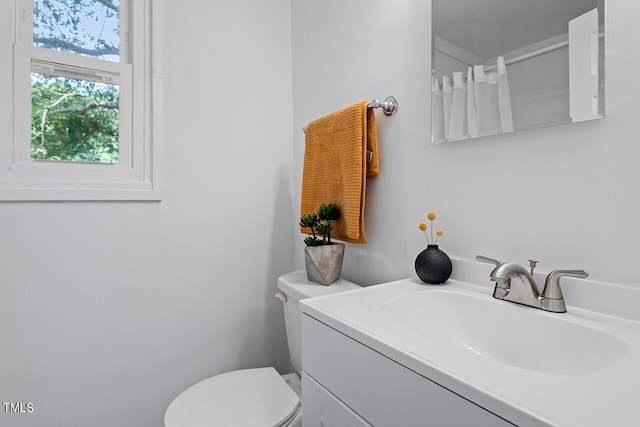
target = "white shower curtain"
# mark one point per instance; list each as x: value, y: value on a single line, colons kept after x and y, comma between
x: 447, y: 95
x: 471, y: 106
x: 437, y: 112
x: 479, y: 107
x: 458, y: 116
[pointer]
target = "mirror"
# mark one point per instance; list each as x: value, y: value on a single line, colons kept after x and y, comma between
x: 501, y: 66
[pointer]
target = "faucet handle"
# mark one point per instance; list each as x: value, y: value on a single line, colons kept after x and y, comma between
x: 552, y: 284
x: 488, y: 260
x: 551, y: 298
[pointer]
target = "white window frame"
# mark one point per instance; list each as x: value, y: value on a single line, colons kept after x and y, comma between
x: 137, y: 175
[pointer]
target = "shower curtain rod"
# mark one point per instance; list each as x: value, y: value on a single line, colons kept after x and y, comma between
x: 536, y: 53
x: 525, y: 56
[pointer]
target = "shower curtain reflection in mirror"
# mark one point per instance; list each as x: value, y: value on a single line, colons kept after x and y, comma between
x: 470, y: 105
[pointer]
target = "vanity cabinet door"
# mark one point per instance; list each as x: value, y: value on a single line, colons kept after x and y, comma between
x: 322, y: 409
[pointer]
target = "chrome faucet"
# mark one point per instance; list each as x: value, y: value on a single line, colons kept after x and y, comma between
x: 514, y: 283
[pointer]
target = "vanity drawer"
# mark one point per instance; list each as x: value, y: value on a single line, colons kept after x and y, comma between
x: 322, y: 409
x: 380, y: 390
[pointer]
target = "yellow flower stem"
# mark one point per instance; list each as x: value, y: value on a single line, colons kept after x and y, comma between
x: 432, y: 230
x: 426, y: 235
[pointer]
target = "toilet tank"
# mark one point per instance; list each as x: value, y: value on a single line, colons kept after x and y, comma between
x: 296, y: 286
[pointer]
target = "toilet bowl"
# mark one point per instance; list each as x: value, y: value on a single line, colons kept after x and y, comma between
x: 255, y: 397
x: 248, y: 397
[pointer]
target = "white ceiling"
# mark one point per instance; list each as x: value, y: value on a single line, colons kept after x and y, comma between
x: 489, y: 28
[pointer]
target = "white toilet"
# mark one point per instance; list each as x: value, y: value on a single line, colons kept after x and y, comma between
x: 255, y: 397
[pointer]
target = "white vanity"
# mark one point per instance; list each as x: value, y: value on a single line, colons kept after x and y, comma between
x: 409, y: 354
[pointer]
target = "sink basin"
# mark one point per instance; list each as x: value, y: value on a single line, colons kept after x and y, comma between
x: 507, y: 333
x: 528, y: 366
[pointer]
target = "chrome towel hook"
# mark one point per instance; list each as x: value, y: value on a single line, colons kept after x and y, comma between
x: 389, y: 105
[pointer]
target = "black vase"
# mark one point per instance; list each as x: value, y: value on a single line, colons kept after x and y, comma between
x: 433, y: 266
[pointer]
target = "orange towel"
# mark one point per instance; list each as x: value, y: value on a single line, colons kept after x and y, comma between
x: 336, y: 168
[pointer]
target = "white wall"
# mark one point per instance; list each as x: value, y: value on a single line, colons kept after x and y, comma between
x: 109, y: 310
x: 566, y: 196
x: 345, y: 52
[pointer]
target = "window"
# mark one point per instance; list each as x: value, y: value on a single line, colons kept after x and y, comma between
x: 82, y: 101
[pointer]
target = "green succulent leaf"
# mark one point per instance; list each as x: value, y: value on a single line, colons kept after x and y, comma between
x: 329, y: 211
x: 324, y: 227
x: 309, y: 220
x: 312, y: 241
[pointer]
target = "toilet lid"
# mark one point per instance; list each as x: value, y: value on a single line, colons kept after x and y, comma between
x: 249, y: 397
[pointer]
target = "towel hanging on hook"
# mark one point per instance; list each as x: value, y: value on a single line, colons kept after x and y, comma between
x: 389, y: 107
x: 336, y: 166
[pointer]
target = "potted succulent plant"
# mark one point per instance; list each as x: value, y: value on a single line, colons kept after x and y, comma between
x: 323, y: 258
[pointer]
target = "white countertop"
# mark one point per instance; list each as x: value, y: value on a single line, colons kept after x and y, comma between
x: 609, y: 396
